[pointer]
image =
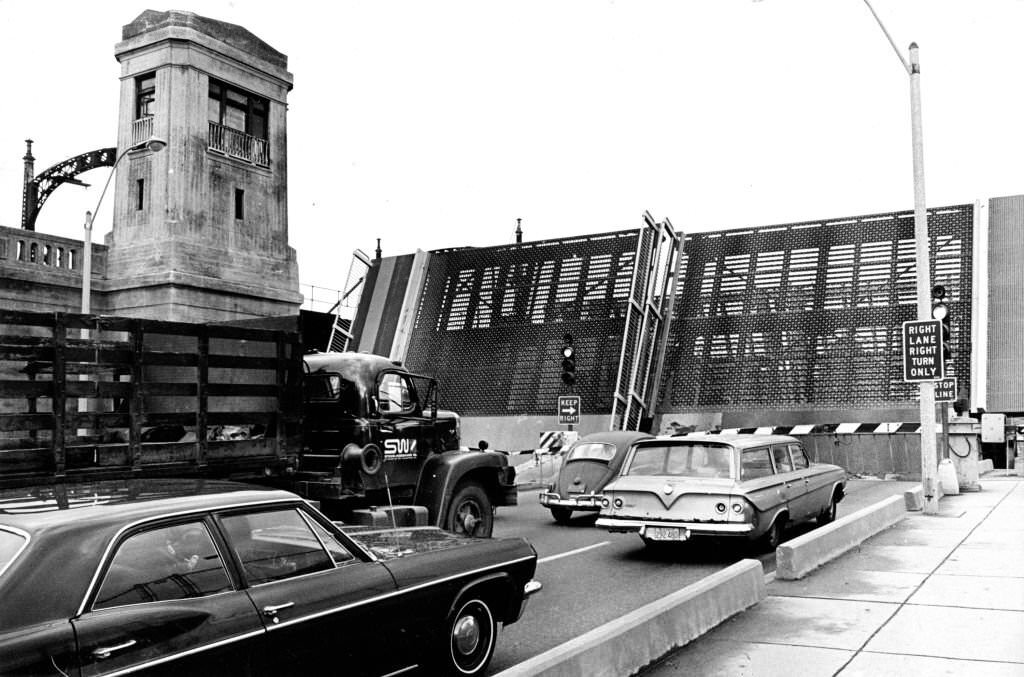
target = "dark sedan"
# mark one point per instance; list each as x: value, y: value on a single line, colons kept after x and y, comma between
x: 591, y: 462
x: 201, y: 577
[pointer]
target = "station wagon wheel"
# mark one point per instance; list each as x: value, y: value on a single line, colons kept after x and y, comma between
x: 773, y: 537
x: 470, y: 513
x: 561, y: 515
x: 828, y: 513
x: 471, y: 632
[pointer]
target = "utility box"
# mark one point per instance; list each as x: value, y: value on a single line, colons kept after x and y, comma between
x: 993, y: 427
x: 965, y: 450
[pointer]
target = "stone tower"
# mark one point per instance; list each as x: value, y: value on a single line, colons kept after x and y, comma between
x: 200, y: 229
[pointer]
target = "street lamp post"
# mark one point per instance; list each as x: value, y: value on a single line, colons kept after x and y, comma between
x: 155, y: 145
x: 929, y: 453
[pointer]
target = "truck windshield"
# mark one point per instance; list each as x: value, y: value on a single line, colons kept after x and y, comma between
x: 322, y: 387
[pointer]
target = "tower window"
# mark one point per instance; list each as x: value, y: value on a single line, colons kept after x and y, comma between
x: 145, y: 95
x: 140, y: 192
x: 239, y: 203
x: 237, y: 109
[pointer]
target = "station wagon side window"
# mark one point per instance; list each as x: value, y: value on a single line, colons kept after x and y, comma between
x: 166, y: 563
x: 755, y: 463
x: 800, y: 460
x: 275, y: 544
x: 395, y: 394
x: 780, y: 453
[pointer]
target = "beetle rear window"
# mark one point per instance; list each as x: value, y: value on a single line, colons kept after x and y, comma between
x: 591, y: 452
x: 10, y: 545
x: 682, y: 460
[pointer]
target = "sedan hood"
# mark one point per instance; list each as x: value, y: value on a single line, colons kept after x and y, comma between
x: 390, y: 544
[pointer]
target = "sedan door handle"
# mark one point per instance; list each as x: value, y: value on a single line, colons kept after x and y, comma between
x: 105, y: 651
x: 271, y: 611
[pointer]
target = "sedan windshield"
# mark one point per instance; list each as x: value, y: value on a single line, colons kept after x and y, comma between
x: 682, y: 460
x: 10, y: 545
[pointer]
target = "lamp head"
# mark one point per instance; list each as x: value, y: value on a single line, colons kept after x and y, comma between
x: 155, y: 144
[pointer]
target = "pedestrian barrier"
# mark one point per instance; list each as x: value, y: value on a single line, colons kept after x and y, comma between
x: 623, y: 646
x: 798, y: 557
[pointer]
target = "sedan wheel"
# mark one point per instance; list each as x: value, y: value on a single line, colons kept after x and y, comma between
x: 471, y: 634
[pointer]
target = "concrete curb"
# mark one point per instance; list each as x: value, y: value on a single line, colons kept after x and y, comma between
x: 913, y: 499
x: 798, y: 557
x: 627, y: 644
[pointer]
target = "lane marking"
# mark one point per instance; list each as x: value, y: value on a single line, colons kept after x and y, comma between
x: 572, y: 552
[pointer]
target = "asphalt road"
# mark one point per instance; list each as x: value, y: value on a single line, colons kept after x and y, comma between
x: 591, y: 576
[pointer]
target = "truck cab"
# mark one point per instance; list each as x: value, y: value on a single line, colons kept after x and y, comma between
x: 377, y: 450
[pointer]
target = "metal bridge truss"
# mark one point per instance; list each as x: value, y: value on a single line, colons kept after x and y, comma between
x: 648, y: 319
x: 39, y: 189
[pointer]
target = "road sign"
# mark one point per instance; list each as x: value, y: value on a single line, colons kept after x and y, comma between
x: 569, y: 409
x: 945, y: 390
x: 922, y: 350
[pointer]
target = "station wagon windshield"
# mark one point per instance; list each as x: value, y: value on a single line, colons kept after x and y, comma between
x: 682, y: 460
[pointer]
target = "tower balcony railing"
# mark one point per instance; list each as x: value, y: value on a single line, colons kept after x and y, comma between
x: 142, y: 130
x: 239, y: 145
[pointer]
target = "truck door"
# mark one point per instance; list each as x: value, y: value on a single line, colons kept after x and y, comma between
x: 403, y: 426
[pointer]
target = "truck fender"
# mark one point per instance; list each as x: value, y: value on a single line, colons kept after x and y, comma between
x: 443, y: 472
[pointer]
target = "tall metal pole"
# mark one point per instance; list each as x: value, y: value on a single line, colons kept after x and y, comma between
x: 929, y: 457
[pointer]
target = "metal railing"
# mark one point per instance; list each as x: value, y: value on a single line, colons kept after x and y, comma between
x: 142, y: 130
x: 239, y: 145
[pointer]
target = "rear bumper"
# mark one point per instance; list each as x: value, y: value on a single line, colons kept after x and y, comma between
x: 581, y: 502
x: 621, y: 525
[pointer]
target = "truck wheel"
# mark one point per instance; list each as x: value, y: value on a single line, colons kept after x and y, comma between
x: 469, y: 641
x: 561, y: 515
x: 470, y: 513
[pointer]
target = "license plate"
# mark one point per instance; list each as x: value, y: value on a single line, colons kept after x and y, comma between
x: 667, y: 533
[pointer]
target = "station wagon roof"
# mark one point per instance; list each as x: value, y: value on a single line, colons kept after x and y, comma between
x: 737, y: 441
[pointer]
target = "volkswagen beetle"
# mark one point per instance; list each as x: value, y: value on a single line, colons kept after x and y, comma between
x: 672, y: 489
x: 589, y: 464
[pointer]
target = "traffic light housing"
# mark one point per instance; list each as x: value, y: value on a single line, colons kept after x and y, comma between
x: 568, y: 361
x: 941, y: 312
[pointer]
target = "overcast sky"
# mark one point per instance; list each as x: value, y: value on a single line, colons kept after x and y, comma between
x: 436, y: 123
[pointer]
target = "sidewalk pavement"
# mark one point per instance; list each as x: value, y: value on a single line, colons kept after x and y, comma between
x: 933, y: 595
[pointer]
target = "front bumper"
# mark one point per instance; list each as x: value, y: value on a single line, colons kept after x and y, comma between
x: 626, y: 525
x: 550, y: 499
x: 531, y: 588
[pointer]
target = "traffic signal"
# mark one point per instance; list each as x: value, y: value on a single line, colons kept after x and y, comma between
x: 940, y: 312
x: 568, y: 361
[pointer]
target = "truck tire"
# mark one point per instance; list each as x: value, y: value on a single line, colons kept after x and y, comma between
x: 470, y: 512
x: 469, y: 640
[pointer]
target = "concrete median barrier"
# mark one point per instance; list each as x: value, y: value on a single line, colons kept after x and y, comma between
x: 627, y: 644
x: 798, y: 557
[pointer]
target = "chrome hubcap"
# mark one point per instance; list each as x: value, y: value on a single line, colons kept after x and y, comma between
x: 466, y: 635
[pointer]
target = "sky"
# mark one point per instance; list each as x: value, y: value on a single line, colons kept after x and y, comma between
x: 438, y: 124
